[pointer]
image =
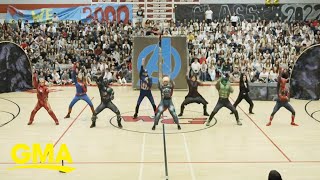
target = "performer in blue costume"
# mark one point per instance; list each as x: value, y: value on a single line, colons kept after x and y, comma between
x: 81, y: 88
x: 145, y: 89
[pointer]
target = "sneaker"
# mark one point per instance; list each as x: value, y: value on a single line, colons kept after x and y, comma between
x: 67, y: 116
x: 153, y: 127
x: 180, y: 114
x: 205, y: 114
x: 239, y: 123
x: 119, y: 124
x: 294, y: 124
x: 269, y: 124
x: 135, y: 116
x: 231, y: 112
x: 179, y: 127
x: 251, y: 113
x: 30, y: 122
x: 208, y: 123
x: 93, y: 125
x: 57, y: 123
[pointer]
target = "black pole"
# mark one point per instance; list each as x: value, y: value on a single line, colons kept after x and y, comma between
x: 62, y: 164
x: 165, y: 152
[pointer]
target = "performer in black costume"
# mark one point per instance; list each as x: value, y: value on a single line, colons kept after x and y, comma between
x: 107, y: 95
x: 145, y: 89
x: 193, y: 96
x: 244, y: 93
x: 166, y: 90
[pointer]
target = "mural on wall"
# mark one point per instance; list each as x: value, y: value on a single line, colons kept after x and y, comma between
x: 15, y: 68
x: 284, y: 12
x: 305, y: 77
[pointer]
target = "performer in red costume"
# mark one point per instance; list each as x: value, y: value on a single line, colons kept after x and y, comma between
x: 283, y: 99
x: 42, y: 95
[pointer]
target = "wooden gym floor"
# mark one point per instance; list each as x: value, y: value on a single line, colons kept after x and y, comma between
x: 224, y: 151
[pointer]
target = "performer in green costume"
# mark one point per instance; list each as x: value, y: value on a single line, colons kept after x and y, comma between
x: 224, y: 88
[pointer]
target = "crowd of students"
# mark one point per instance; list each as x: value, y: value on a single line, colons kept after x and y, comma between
x: 259, y: 48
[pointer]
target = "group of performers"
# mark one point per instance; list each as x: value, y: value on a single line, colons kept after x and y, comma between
x: 166, y: 87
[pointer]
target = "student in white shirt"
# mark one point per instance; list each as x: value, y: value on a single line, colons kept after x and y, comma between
x: 234, y: 20
x: 211, y: 58
x: 264, y: 76
x: 273, y: 75
x: 55, y: 20
x: 195, y: 67
x: 208, y: 15
x: 212, y: 71
x: 56, y: 77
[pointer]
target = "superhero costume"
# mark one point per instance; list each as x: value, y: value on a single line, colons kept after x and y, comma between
x: 166, y: 103
x: 193, y: 97
x: 145, y: 90
x: 283, y: 101
x: 42, y: 95
x: 224, y: 88
x: 81, y: 92
x: 106, y: 95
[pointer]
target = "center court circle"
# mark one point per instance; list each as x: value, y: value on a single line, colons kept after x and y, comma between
x: 192, y: 121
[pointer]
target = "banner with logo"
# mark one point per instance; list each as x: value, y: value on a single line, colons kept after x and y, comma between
x: 173, y: 52
x: 106, y: 12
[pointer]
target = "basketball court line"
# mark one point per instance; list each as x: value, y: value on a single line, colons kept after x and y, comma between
x: 21, y: 97
x: 275, y: 145
x: 188, y: 157
x: 165, y: 152
x: 13, y: 116
x: 71, y: 124
x: 311, y: 115
x: 180, y: 162
x: 142, y: 156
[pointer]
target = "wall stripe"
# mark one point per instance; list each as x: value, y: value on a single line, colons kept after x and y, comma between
x: 3, y: 7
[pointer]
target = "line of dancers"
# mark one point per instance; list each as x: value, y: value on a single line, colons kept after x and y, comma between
x: 166, y: 87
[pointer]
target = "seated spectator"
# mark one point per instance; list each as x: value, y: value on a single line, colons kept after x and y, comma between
x: 212, y: 71
x: 264, y: 76
x: 195, y: 68
x: 235, y: 76
x: 122, y: 75
x: 108, y: 75
x: 56, y: 78
x: 226, y: 67
x: 218, y: 69
x: 273, y: 76
x: 88, y: 76
x: 94, y: 70
x: 203, y: 71
x: 65, y: 78
x: 48, y: 78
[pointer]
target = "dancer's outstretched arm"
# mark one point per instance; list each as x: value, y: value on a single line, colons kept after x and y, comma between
x: 35, y: 80
x: 74, y: 74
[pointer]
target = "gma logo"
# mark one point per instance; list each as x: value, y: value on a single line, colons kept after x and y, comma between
x: 22, y: 154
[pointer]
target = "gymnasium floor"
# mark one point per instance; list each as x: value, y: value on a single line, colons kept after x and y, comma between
x: 224, y: 151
